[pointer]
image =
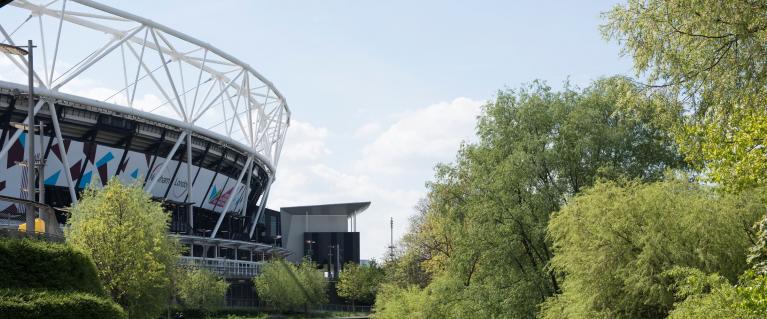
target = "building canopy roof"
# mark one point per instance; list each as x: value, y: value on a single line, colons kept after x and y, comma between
x: 342, y: 209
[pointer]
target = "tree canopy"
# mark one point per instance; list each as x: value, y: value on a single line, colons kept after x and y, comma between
x: 287, y: 287
x: 359, y: 283
x: 711, y: 53
x: 483, y: 236
x: 201, y: 289
x: 125, y: 233
x: 618, y: 245
x: 644, y: 242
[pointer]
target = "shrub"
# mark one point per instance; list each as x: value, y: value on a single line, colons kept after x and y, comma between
x: 28, y: 303
x: 36, y: 264
x: 201, y: 289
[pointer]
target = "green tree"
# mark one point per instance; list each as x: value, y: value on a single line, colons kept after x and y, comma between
x: 201, y: 289
x: 483, y: 238
x: 714, y: 55
x: 394, y: 302
x: 125, y: 233
x: 359, y: 283
x: 710, y: 297
x: 288, y: 287
x: 618, y: 245
x: 407, y: 266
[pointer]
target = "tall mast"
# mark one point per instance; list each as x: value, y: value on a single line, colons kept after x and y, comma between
x: 391, y: 238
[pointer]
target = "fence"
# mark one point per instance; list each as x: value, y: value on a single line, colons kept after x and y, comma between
x: 225, y: 267
x: 344, y: 308
x: 249, y: 303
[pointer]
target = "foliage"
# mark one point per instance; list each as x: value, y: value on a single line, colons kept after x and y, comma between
x: 757, y: 256
x: 201, y: 289
x: 714, y: 54
x: 30, y: 303
x: 287, y: 287
x: 394, y: 302
x: 619, y: 246
x: 482, y: 239
x: 125, y: 233
x: 360, y: 282
x: 40, y: 279
x: 406, y: 267
x: 37, y: 264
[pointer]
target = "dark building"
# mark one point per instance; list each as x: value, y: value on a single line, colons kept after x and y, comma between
x: 325, y: 233
x: 332, y: 250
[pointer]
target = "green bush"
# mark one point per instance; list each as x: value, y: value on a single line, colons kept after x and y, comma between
x: 37, y: 264
x: 201, y: 289
x: 25, y: 303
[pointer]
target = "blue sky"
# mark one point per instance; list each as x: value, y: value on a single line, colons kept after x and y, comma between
x: 381, y: 91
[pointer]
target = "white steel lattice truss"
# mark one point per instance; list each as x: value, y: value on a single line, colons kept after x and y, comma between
x: 136, y: 66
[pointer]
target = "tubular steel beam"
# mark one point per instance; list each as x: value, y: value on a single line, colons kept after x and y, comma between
x: 261, y: 207
x: 189, y: 180
x: 17, y: 134
x: 63, y: 151
x: 229, y: 201
x: 157, y: 175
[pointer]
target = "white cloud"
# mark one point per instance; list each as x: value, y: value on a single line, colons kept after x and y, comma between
x: 305, y: 142
x: 412, y: 144
x: 433, y: 133
x: 367, y: 130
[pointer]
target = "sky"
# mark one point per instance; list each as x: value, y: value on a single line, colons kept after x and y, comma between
x: 381, y: 91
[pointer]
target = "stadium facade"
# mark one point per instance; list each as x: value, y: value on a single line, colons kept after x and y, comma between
x: 200, y: 128
x: 118, y: 95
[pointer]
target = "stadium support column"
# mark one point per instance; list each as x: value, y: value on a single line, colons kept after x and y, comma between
x: 261, y: 206
x: 229, y: 201
x: 190, y: 209
x: 247, y: 190
x: 159, y: 173
x: 17, y: 134
x: 63, y: 152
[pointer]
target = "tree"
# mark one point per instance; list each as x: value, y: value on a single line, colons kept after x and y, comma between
x: 483, y: 238
x: 406, y: 266
x: 359, y: 283
x: 621, y: 244
x: 713, y: 54
x: 201, y: 289
x: 125, y: 233
x: 287, y: 287
x: 711, y: 297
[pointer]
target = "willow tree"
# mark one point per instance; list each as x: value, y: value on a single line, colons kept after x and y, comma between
x: 713, y: 54
x: 484, y: 235
x: 126, y: 234
x: 288, y: 287
x: 622, y: 246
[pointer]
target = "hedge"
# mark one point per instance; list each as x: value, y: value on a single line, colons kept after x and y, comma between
x: 29, y: 303
x: 38, y: 264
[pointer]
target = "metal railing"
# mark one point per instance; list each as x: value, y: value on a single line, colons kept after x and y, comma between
x: 226, y: 268
x: 343, y: 308
x: 254, y: 304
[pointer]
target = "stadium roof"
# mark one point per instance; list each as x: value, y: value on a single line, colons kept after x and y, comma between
x: 341, y: 209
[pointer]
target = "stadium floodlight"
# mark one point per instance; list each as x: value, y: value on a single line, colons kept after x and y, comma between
x: 12, y: 49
